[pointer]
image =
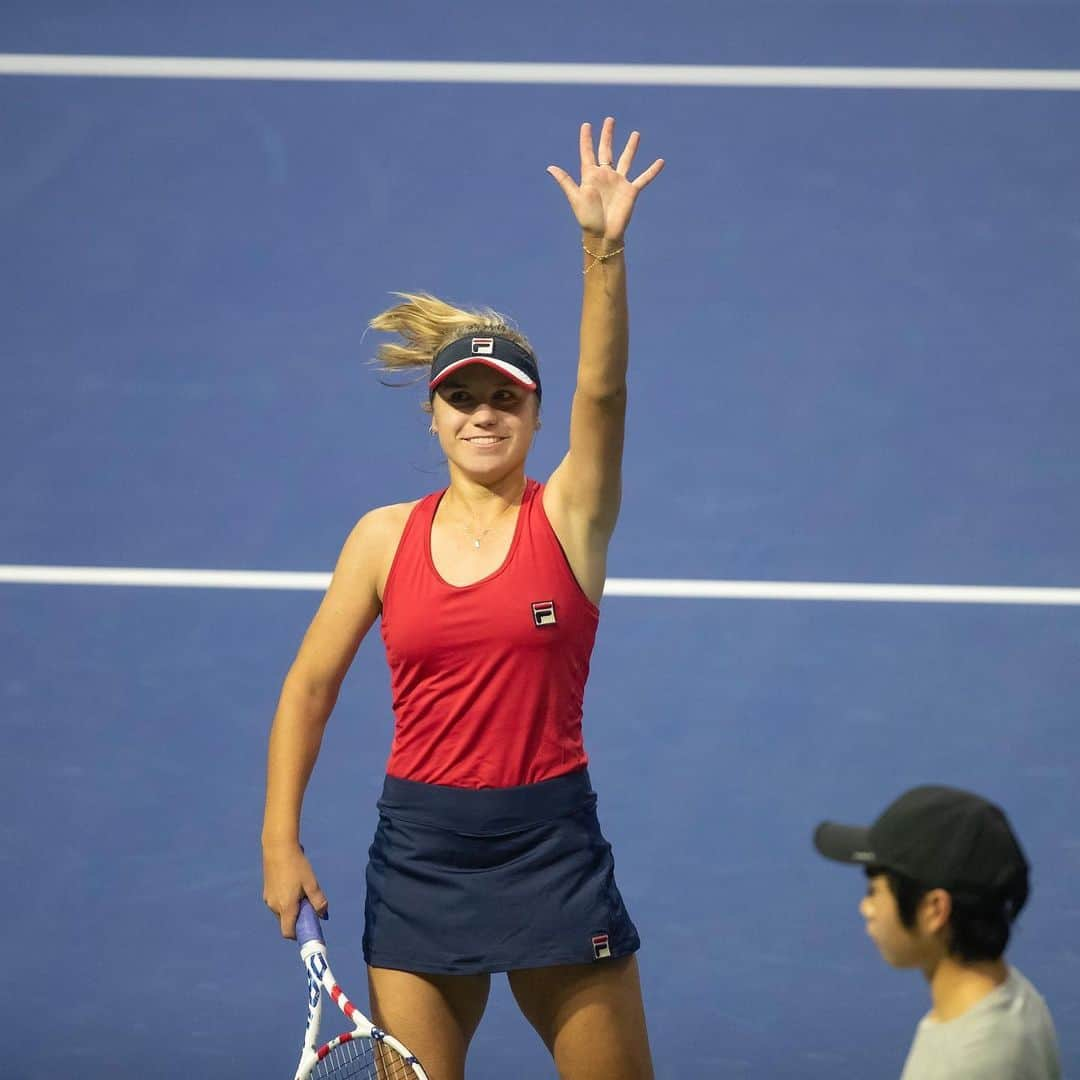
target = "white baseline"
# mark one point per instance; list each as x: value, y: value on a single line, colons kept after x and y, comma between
x: 441, y: 71
x: 670, y: 588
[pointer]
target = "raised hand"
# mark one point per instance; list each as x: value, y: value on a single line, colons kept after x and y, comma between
x: 604, y: 200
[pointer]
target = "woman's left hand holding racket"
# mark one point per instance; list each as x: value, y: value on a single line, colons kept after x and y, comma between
x: 288, y: 878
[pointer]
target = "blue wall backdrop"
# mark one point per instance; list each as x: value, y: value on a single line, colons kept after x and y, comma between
x: 855, y: 342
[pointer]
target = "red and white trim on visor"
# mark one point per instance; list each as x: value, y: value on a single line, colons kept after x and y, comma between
x: 504, y: 366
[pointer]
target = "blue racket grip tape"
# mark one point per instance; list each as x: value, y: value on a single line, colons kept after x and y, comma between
x: 307, y: 924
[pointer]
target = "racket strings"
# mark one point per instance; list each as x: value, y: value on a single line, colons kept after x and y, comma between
x: 363, y: 1059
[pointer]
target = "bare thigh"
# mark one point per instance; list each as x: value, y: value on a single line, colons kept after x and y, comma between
x: 590, y: 1016
x: 435, y: 1016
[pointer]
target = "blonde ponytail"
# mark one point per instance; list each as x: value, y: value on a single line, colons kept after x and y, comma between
x: 425, y: 324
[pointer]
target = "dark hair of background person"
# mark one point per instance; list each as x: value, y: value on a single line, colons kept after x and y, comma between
x: 979, y: 926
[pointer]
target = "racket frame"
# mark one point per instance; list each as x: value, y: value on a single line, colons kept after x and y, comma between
x: 321, y: 983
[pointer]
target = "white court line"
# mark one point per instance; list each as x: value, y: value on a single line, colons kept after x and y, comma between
x: 634, y: 587
x: 425, y: 71
x: 163, y: 578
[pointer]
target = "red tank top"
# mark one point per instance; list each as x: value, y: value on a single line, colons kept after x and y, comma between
x: 487, y: 679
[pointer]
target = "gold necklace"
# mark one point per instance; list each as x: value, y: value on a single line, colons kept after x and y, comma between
x: 475, y: 537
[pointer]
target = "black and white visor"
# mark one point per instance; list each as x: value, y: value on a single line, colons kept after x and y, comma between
x: 498, y: 353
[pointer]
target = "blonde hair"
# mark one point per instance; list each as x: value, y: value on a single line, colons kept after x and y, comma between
x: 425, y: 324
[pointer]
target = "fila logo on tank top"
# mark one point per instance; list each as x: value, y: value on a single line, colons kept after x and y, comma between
x: 487, y: 682
x: 543, y: 612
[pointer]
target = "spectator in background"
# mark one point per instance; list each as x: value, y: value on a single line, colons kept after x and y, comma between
x: 946, y: 879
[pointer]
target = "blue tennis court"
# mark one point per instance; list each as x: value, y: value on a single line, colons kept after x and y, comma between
x: 854, y: 359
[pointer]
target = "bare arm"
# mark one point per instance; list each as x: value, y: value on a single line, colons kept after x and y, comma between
x: 347, y: 612
x: 583, y: 494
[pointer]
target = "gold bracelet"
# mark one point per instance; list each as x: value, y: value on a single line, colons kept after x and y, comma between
x: 600, y: 258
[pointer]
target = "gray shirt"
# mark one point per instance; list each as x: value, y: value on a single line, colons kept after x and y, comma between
x: 1007, y: 1036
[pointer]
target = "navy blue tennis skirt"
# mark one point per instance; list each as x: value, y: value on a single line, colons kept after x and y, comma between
x: 463, y: 881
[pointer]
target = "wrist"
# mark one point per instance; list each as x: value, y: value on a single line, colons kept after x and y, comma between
x: 600, y: 251
x: 600, y: 244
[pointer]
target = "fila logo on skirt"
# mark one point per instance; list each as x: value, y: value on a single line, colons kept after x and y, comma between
x: 544, y: 612
x: 600, y: 946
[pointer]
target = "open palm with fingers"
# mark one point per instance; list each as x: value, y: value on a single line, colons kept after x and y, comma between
x: 604, y: 200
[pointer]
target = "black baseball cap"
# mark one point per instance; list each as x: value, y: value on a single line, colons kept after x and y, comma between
x: 495, y: 352
x: 941, y: 837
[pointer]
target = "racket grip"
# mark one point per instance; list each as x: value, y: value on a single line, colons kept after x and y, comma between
x: 307, y: 924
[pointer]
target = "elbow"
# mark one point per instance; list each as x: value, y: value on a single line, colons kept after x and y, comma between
x: 604, y: 394
x: 311, y: 693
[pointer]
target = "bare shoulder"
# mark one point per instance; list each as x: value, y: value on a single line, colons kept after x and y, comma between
x: 372, y: 543
x: 353, y: 601
x: 383, y: 523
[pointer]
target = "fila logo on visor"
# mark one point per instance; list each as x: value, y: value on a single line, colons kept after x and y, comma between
x: 544, y: 612
x: 483, y: 346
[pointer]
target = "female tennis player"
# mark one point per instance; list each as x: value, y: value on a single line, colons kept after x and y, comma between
x: 488, y: 856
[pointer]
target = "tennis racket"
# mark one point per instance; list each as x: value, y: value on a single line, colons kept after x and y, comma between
x: 363, y: 1052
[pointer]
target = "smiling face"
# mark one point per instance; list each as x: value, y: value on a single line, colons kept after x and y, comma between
x: 485, y: 421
